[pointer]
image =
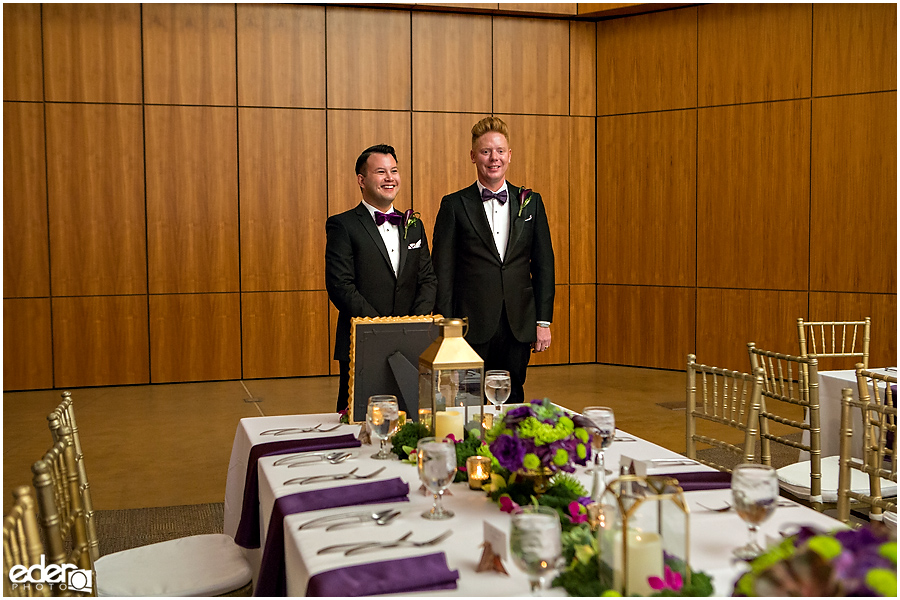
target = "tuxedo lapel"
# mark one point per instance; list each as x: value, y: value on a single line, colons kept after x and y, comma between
x: 368, y: 224
x: 404, y: 249
x: 517, y: 223
x: 475, y: 210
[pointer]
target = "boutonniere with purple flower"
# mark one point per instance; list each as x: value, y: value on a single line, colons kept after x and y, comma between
x: 524, y: 198
x: 409, y: 218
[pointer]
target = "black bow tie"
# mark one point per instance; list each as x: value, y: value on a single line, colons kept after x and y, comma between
x: 487, y: 194
x: 392, y: 218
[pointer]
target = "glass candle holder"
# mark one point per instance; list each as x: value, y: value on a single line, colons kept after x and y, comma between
x: 478, y: 469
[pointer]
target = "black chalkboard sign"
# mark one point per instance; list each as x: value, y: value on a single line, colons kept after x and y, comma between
x: 384, y: 359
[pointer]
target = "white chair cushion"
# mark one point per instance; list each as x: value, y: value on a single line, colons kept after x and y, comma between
x: 889, y: 518
x: 199, y: 565
x: 795, y: 479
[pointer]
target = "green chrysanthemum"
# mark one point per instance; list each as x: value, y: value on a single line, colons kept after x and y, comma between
x: 889, y: 551
x: 561, y: 457
x: 531, y: 461
x: 582, y: 435
x: 825, y: 546
x: 581, y: 450
x: 883, y: 582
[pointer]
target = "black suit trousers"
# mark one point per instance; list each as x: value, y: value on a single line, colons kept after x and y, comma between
x: 503, y: 351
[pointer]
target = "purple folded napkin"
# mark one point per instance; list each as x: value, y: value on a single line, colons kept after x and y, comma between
x: 404, y: 575
x: 702, y: 480
x: 271, y: 580
x: 247, y: 534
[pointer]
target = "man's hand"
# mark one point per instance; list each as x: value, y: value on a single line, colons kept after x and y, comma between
x: 543, y: 340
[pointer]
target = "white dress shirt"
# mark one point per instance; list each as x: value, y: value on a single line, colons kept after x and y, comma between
x: 390, y: 233
x: 498, y: 218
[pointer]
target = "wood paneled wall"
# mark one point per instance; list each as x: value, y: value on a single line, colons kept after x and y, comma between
x: 746, y: 176
x: 168, y: 169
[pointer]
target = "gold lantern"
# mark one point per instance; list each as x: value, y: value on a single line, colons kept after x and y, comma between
x: 642, y: 520
x: 451, y: 383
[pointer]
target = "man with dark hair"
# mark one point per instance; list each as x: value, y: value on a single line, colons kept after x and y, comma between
x: 494, y: 260
x: 376, y: 258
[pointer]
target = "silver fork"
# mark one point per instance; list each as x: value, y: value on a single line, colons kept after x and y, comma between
x: 337, y: 477
x: 351, y: 545
x: 399, y: 543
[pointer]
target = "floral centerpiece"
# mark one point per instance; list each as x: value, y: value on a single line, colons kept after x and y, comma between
x: 861, y: 562
x: 539, y: 436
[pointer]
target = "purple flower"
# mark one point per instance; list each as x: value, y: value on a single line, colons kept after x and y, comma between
x: 507, y: 505
x: 577, y: 512
x: 517, y: 415
x: 509, y: 452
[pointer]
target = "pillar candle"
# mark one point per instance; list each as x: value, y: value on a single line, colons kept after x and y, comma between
x: 447, y: 422
x: 645, y: 559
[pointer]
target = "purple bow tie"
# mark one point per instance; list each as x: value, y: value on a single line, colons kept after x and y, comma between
x: 487, y: 194
x: 392, y: 218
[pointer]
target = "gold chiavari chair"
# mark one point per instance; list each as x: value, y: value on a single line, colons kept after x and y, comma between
x: 198, y: 565
x: 820, y: 339
x: 878, y: 464
x: 725, y: 398
x: 64, y: 414
x: 790, y: 404
x: 22, y: 545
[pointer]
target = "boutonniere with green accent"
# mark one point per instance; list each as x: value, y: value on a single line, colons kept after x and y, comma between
x: 524, y: 199
x: 409, y: 218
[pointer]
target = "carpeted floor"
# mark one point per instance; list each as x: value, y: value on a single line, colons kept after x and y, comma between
x: 124, y: 529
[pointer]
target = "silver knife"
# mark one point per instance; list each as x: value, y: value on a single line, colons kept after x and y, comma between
x: 367, y: 513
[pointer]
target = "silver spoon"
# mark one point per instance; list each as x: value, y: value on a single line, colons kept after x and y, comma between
x: 352, y: 545
x: 398, y: 543
x: 334, y: 458
x: 382, y: 520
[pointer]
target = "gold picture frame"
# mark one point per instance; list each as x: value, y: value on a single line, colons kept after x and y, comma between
x: 384, y: 355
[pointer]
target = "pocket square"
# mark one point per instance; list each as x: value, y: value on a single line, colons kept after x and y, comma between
x: 529, y: 218
x: 415, y: 245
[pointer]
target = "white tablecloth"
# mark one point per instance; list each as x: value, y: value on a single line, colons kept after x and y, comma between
x: 830, y: 385
x: 713, y: 535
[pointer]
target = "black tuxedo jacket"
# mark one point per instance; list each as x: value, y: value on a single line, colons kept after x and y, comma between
x: 474, y: 283
x: 359, y: 277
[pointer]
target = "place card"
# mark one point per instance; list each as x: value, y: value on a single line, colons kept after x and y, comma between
x: 494, y: 552
x: 497, y: 538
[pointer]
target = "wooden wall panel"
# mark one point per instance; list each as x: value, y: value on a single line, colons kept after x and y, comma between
x: 646, y: 211
x: 22, y: 70
x: 582, y: 323
x: 558, y: 354
x: 754, y: 52
x: 451, y: 66
x: 582, y: 223
x: 334, y: 368
x: 854, y: 48
x: 728, y: 319
x: 753, y: 196
x: 189, y: 54
x: 828, y: 306
x: 27, y: 349
x: 368, y: 56
x: 554, y: 8
x: 441, y: 162
x: 100, y: 340
x: 648, y: 62
x: 351, y: 132
x: 645, y: 326
x: 26, y: 260
x: 539, y: 159
x: 95, y: 169
x: 531, y: 66
x: 92, y: 52
x: 192, y: 208
x: 582, y: 68
x: 854, y: 194
x: 285, y: 334
x: 283, y: 205
x: 195, y: 337
x: 281, y: 55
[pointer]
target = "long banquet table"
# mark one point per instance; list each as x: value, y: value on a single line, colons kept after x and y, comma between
x: 713, y: 535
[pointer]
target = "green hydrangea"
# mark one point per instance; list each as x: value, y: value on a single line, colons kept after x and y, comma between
x: 561, y: 457
x: 531, y: 461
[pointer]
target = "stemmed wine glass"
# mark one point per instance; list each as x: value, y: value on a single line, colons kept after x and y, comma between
x: 535, y: 543
x: 383, y: 418
x: 754, y: 489
x: 497, y: 387
x: 436, y: 458
x: 602, y: 434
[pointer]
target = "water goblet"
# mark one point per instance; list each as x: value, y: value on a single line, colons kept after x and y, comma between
x: 602, y: 433
x: 436, y: 458
x: 383, y: 418
x: 754, y: 489
x: 535, y: 543
x: 497, y: 387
